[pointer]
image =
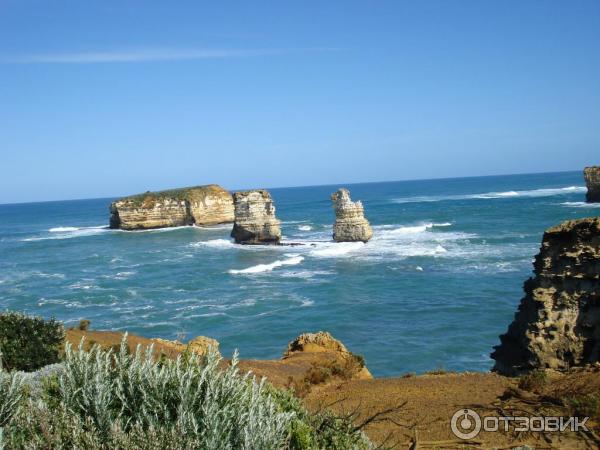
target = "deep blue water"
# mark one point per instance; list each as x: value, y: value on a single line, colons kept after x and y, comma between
x: 440, y: 280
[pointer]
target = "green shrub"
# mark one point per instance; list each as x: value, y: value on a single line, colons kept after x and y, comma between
x: 321, y: 430
x: 28, y: 343
x: 84, y: 325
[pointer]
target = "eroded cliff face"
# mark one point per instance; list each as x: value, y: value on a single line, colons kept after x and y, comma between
x: 255, y: 221
x: 350, y: 223
x: 557, y: 324
x: 592, y: 181
x: 201, y: 205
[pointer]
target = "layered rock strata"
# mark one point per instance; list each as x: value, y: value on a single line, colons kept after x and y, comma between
x: 201, y: 205
x: 255, y: 221
x: 592, y: 181
x: 557, y: 324
x: 350, y: 223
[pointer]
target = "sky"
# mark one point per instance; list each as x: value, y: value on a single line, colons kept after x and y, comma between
x: 102, y: 98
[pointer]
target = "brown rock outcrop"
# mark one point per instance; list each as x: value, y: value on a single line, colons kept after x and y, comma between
x: 557, y: 324
x: 201, y: 205
x: 321, y: 341
x: 592, y: 181
x: 255, y: 221
x: 332, y: 350
x: 350, y: 223
x: 198, y: 345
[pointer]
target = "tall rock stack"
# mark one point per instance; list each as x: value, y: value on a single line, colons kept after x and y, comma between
x: 557, y: 324
x: 255, y: 221
x: 350, y: 223
x: 200, y: 205
x: 592, y: 180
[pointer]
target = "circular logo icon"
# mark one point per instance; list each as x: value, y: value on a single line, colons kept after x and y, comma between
x: 465, y: 424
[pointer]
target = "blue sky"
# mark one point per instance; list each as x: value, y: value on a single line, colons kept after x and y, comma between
x: 106, y: 98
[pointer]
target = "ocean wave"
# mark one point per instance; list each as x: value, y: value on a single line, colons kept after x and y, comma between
x: 335, y: 249
x: 62, y: 229
x: 305, y: 228
x: 214, y: 243
x: 68, y: 233
x: 409, y: 229
x: 82, y: 285
x: 304, y: 274
x: 119, y: 275
x: 259, y: 268
x: 546, y: 192
x: 581, y: 205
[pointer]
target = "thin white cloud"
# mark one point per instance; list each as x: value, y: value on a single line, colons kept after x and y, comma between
x: 151, y: 55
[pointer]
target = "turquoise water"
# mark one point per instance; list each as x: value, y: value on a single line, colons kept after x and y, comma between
x: 440, y: 280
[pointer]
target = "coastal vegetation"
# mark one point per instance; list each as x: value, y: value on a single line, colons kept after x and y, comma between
x: 103, y: 399
x: 28, y: 343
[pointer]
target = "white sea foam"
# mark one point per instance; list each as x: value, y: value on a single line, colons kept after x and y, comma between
x: 119, y: 275
x: 305, y: 228
x: 335, y: 249
x: 304, y: 274
x: 49, y: 275
x: 82, y: 285
x: 214, y: 243
x: 68, y: 233
x: 409, y: 229
x: 259, y: 268
x: 547, y: 192
x: 581, y: 205
x: 62, y: 229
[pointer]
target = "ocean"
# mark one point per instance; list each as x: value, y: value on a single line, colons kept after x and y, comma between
x: 439, y: 281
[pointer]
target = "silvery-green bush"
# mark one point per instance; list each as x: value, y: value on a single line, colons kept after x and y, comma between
x: 105, y: 400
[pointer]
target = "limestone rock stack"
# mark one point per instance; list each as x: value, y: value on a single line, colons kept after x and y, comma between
x: 592, y: 180
x: 557, y: 324
x: 255, y: 221
x: 350, y: 223
x: 201, y: 205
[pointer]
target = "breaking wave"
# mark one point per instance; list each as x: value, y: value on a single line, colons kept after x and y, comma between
x: 581, y: 205
x: 214, y: 243
x: 335, y: 249
x: 69, y: 232
x: 495, y: 195
x: 259, y: 268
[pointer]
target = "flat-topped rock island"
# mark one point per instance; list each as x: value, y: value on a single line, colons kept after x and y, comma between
x: 199, y: 205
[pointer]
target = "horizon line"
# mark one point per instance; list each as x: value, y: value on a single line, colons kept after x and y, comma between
x: 300, y: 186
x: 157, y: 54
